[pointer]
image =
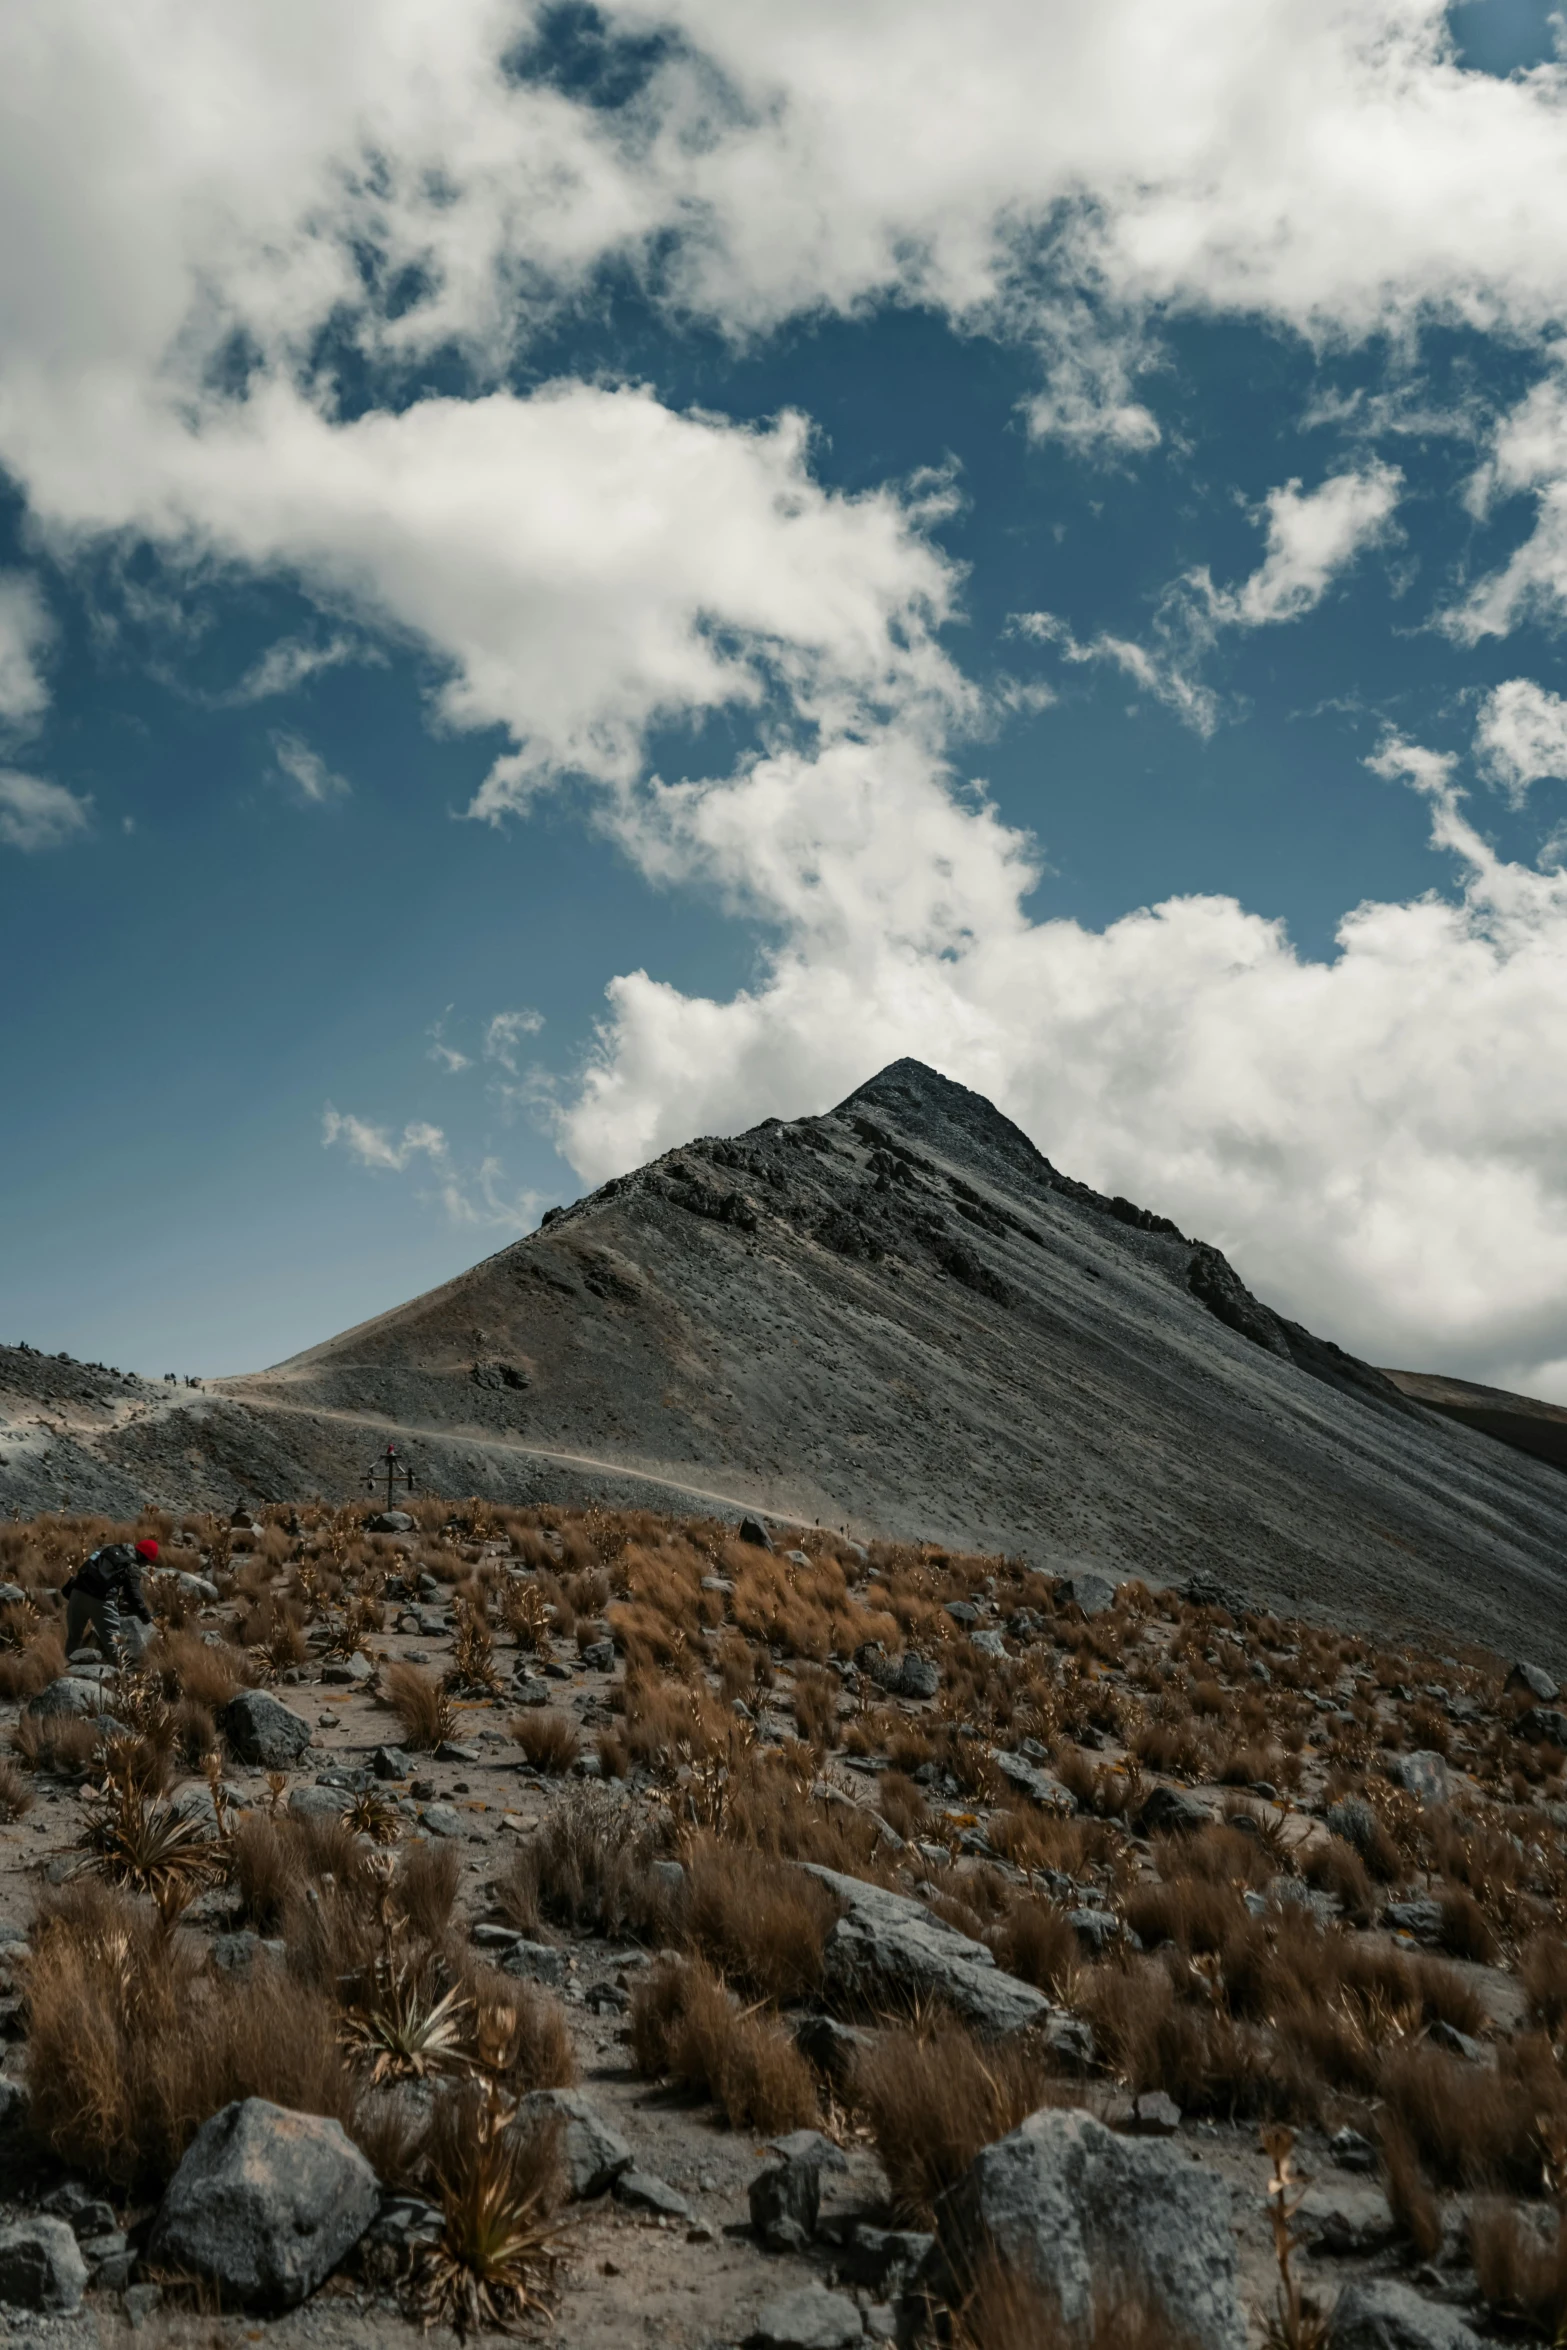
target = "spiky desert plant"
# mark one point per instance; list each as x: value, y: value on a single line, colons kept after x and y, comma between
x: 525, y: 1615
x: 1295, y: 2322
x: 370, y: 1814
x: 472, y: 1668
x: 138, y: 1841
x: 401, y: 2027
x: 500, y: 2192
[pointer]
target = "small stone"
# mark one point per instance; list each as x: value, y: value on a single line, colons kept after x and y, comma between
x: 1457, y: 2043
x: 41, y: 2266
x: 595, y: 2154
x: 641, y: 2191
x: 1351, y: 2151
x: 988, y: 1641
x: 1094, y: 1594
x: 423, y: 1790
x: 139, y: 2303
x: 390, y: 1762
x: 441, y: 1820
x: 963, y: 1613
x: 350, y: 1672
x: 916, y: 1676
x: 1344, y: 2219
x: 1541, y: 1724
x: 390, y: 1522
x: 1419, y: 1917
x: 315, y: 1803
x: 1422, y: 1774
x: 1170, y: 1810
x: 1383, y: 2315
x: 1530, y: 1681
x: 450, y: 1752
x: 810, y: 2319
x: 1154, y: 2115
x: 599, y: 1656
x: 535, y: 1962
x: 886, y: 2261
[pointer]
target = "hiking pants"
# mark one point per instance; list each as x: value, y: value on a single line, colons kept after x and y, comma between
x: 115, y: 1634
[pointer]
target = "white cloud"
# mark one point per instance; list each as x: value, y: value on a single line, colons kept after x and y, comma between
x: 375, y: 1146
x: 306, y: 769
x: 1528, y: 459
x: 1312, y: 537
x: 446, y: 1056
x: 1377, y: 1137
x: 1521, y: 736
x: 505, y: 1031
x: 26, y: 632
x: 39, y: 815
x: 284, y: 667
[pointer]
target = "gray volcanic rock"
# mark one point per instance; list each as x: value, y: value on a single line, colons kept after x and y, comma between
x: 264, y: 1731
x: 266, y: 2203
x: 888, y: 1942
x: 41, y: 2266
x: 1382, y: 2314
x: 900, y: 1317
x: 1064, y: 2201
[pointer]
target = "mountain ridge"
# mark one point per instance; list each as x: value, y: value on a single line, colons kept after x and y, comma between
x: 895, y: 1315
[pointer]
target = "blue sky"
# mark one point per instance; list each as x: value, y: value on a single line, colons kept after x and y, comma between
x: 592, y: 576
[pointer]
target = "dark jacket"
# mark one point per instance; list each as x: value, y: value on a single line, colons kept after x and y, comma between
x: 112, y: 1573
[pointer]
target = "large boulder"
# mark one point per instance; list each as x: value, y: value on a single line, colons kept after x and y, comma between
x: 266, y: 2203
x: 886, y: 1944
x: 263, y: 1731
x: 41, y: 2266
x: 1030, y: 1780
x: 1066, y: 2203
x: 1543, y: 1722
x: 73, y: 1697
x: 1384, y: 2315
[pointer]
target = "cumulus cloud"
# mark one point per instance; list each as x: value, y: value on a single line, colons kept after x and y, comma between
x: 309, y: 773
x: 39, y: 815
x: 478, y: 1198
x: 26, y: 632
x: 1521, y: 736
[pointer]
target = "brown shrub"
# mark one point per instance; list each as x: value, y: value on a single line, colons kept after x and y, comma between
x: 1192, y: 1912
x: 549, y: 1742
x: 16, y: 1795
x: 426, y: 1888
x: 1542, y: 1969
x: 903, y: 1806
x: 761, y: 1922
x: 816, y: 1706
x: 934, y: 2095
x: 187, y: 1667
x: 1337, y: 1868
x: 685, y: 2028
x: 589, y: 1865
x: 1466, y: 1931
x: 1005, y: 2310
x: 1035, y: 1942
x: 1470, y: 2127
x: 267, y: 1866
x: 423, y: 1708
x: 1409, y: 2196
x: 26, y: 1673
x: 67, y: 1746
x: 132, y: 2043
x: 1523, y: 2279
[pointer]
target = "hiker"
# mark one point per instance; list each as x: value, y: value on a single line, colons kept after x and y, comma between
x: 103, y: 1592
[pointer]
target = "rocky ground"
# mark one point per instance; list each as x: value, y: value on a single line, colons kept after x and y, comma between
x: 773, y: 1940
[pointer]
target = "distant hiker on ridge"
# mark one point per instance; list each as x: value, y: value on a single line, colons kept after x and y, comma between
x: 104, y: 1590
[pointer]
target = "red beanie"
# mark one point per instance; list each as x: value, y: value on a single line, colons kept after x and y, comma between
x: 146, y: 1548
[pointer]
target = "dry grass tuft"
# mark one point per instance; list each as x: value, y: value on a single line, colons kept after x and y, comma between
x: 762, y: 1923
x: 423, y: 1708
x: 549, y: 1742
x: 1006, y: 2311
x: 933, y: 2095
x: 132, y: 2043
x: 685, y: 2028
x: 1522, y: 2277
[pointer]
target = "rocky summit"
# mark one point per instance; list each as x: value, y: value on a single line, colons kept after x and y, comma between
x: 895, y: 1316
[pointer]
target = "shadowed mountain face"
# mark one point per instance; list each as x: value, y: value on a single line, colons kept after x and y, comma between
x: 896, y: 1317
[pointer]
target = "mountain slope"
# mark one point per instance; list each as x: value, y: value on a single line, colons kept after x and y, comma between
x: 899, y: 1317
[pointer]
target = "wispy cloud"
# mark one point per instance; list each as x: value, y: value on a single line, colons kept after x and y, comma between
x: 26, y: 633
x: 1312, y: 538
x: 307, y: 770
x: 284, y: 667
x: 444, y: 1055
x: 39, y: 815
x: 375, y: 1146
x: 504, y: 1033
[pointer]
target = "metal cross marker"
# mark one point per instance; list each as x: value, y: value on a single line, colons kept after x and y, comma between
x: 391, y: 1466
